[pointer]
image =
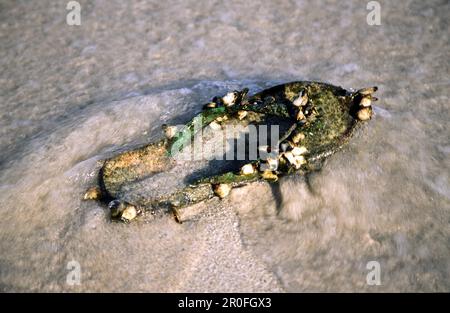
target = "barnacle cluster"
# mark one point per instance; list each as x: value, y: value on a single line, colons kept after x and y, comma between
x: 322, y: 117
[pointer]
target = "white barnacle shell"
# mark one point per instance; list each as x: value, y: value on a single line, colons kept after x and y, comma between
x: 290, y: 157
x: 298, y: 137
x: 247, y: 169
x: 272, y: 163
x: 129, y: 213
x: 367, y: 91
x: 300, y: 115
x: 222, y: 118
x: 215, y: 126
x: 242, y: 114
x: 169, y: 131
x: 365, y: 102
x: 222, y: 190
x: 296, y: 151
x: 296, y: 160
x: 269, y: 175
x: 229, y: 99
x: 93, y: 193
x: 365, y: 114
x: 299, y: 161
x: 302, y: 100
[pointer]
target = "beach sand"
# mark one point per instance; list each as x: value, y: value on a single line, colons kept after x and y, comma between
x: 71, y: 96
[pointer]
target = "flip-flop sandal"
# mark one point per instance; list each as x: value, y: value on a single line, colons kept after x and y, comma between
x: 320, y: 119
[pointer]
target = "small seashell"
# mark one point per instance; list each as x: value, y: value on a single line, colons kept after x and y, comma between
x: 367, y: 91
x: 247, y: 169
x: 269, y: 175
x: 365, y: 114
x: 298, y: 137
x: 129, y: 214
x: 221, y: 118
x: 92, y: 193
x: 242, y: 114
x: 229, y: 99
x: 296, y: 151
x: 290, y: 157
x: 297, y: 161
x: 215, y: 126
x: 222, y: 190
x: 273, y: 163
x: 300, y: 115
x: 365, y: 102
x: 169, y: 131
x: 301, y: 100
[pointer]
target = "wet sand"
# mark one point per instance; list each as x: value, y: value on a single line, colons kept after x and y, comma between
x: 72, y: 96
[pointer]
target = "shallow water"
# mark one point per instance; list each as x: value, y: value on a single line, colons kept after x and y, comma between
x: 72, y: 96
